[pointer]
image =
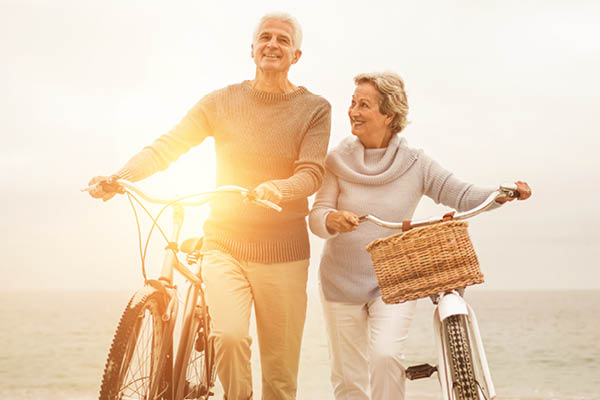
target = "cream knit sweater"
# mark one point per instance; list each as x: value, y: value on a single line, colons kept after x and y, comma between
x: 258, y: 137
x: 387, y: 183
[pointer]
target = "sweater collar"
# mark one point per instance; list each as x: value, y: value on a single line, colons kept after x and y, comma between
x: 268, y: 96
x: 347, y: 161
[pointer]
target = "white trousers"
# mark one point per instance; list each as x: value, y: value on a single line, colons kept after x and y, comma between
x: 366, y: 346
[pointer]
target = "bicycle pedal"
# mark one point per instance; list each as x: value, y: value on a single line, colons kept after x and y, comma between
x: 196, y: 391
x: 420, y: 371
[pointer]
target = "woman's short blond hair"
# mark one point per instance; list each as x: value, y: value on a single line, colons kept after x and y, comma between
x: 392, y: 99
x: 288, y: 19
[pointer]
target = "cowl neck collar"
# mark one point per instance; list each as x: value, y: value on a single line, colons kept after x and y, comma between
x: 351, y: 161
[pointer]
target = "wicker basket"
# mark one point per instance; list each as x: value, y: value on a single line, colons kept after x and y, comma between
x: 424, y: 261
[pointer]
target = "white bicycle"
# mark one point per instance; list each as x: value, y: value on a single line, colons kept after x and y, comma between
x: 438, y: 261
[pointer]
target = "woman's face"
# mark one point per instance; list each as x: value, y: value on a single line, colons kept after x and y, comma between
x: 368, y: 124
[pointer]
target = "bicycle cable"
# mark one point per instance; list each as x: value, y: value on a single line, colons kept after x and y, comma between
x: 154, y: 224
x: 137, y: 222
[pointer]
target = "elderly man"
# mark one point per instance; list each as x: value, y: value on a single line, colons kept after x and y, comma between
x: 270, y: 135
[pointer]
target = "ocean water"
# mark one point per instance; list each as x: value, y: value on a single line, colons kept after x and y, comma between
x: 541, y: 345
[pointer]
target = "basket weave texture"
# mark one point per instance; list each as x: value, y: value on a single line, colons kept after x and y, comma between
x: 424, y: 261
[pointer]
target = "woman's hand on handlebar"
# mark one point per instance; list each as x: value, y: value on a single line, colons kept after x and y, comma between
x: 524, y: 193
x: 341, y: 221
x: 104, y: 187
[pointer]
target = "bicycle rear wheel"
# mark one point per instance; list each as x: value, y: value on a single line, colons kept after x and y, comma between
x: 134, y: 367
x: 464, y: 383
x: 195, y: 363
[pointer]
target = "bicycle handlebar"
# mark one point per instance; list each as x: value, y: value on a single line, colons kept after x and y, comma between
x: 503, y: 191
x: 128, y: 186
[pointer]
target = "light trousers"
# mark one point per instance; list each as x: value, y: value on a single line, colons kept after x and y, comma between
x: 278, y: 293
x: 366, y: 347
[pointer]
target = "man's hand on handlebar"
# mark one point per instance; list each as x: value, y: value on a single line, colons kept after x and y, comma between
x: 105, y: 187
x: 341, y: 221
x: 524, y: 193
x: 267, y: 191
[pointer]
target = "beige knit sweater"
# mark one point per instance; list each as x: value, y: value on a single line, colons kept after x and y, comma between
x: 258, y: 137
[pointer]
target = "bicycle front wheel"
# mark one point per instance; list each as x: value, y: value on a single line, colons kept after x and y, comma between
x: 464, y: 384
x: 133, y: 368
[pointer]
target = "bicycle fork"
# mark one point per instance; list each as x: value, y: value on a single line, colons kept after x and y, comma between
x: 451, y: 304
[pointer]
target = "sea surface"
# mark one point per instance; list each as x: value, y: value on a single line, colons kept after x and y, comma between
x: 541, y: 345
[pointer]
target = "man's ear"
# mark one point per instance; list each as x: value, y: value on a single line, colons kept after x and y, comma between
x: 297, y: 55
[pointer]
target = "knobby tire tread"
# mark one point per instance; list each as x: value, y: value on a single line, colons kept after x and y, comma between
x: 461, y: 360
x: 127, y: 335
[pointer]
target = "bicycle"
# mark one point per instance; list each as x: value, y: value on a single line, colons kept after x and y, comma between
x: 143, y: 361
x: 463, y: 370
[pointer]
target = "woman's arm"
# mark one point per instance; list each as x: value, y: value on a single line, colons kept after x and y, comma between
x: 325, y: 202
x: 442, y: 186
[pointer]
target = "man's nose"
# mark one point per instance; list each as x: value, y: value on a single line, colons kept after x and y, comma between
x: 273, y: 42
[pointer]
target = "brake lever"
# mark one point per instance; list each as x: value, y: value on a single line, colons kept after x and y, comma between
x: 510, y: 190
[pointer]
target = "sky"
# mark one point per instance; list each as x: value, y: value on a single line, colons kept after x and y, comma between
x: 498, y: 91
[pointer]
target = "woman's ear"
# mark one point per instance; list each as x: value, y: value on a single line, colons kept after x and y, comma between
x: 389, y: 118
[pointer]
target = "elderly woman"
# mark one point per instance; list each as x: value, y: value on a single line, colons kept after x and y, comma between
x: 374, y: 172
x: 270, y: 135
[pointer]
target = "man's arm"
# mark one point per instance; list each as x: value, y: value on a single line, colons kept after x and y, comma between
x: 309, y: 169
x: 191, y: 131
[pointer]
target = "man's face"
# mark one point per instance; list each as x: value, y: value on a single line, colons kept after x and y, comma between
x: 273, y: 47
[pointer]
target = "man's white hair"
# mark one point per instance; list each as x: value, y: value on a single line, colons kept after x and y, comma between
x: 283, y: 17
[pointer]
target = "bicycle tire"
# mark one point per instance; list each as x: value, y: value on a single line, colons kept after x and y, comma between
x: 195, y: 363
x: 133, y: 367
x: 464, y: 384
